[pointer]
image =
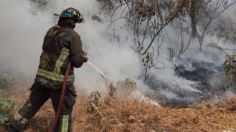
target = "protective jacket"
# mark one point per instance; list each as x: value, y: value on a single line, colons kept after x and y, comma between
x: 61, y: 46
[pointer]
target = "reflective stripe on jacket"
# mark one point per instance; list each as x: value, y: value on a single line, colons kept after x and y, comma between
x: 61, y: 46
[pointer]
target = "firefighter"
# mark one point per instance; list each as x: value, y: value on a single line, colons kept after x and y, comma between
x: 61, y: 46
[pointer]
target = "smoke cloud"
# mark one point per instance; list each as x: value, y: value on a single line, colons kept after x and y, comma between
x: 23, y: 27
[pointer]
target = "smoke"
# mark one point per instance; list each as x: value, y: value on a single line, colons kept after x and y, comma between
x: 21, y: 36
x: 23, y: 26
x: 117, y: 61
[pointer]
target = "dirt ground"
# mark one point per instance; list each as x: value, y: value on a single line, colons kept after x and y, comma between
x: 130, y: 115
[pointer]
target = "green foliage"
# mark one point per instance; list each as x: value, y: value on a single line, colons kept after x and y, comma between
x: 93, y: 101
x: 6, y: 108
x: 230, y: 67
x: 122, y: 88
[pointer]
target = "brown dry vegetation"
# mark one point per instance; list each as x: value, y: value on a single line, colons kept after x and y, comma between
x: 129, y: 115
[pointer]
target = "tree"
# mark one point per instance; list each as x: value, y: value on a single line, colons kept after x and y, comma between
x: 148, y: 19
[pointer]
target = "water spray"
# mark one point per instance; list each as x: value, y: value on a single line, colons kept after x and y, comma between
x: 100, y: 72
x: 109, y: 84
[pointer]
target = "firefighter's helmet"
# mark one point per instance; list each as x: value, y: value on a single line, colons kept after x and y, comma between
x: 73, y: 14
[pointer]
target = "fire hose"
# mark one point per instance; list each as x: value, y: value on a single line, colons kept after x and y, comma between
x: 59, y: 107
x: 58, y: 111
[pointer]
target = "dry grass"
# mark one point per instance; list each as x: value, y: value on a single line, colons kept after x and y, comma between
x: 129, y: 115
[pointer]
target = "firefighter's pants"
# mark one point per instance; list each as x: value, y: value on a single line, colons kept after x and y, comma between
x: 40, y: 94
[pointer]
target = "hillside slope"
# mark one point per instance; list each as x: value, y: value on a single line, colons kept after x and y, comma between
x: 130, y: 115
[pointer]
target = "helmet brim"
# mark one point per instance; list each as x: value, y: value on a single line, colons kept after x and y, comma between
x: 79, y: 21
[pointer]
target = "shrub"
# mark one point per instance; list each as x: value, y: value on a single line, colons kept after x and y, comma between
x: 6, y: 108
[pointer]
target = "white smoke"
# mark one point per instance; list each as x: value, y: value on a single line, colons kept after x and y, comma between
x: 23, y: 27
x: 21, y: 36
